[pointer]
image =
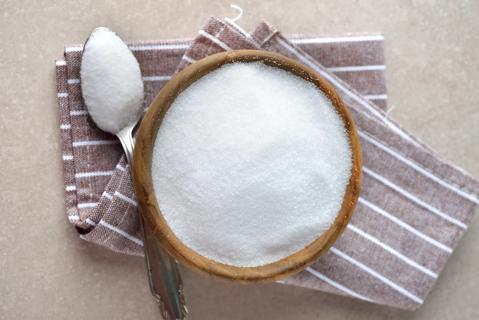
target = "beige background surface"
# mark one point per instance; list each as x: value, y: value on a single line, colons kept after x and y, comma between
x: 47, y: 272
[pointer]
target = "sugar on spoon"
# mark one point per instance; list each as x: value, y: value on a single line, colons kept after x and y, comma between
x: 112, y: 89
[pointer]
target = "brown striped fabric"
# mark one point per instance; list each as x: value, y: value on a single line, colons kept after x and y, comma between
x: 413, y: 208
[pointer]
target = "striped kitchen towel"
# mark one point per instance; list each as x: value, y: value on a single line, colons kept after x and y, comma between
x: 413, y: 207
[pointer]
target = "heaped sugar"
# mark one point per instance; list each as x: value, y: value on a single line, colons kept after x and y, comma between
x: 250, y: 164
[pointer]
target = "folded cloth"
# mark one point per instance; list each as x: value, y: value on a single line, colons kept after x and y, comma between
x: 413, y: 207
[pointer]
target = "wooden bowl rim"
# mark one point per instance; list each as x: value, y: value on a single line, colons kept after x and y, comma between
x: 148, y: 203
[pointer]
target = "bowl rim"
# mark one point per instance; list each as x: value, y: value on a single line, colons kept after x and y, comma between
x: 147, y: 200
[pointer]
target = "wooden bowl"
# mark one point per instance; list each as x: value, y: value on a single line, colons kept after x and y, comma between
x: 148, y: 202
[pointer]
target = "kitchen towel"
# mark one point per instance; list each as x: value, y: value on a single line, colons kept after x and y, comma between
x: 413, y: 207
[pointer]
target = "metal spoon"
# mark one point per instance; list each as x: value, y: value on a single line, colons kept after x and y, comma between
x: 112, y: 89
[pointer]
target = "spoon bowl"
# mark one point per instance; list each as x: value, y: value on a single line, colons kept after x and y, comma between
x: 112, y: 89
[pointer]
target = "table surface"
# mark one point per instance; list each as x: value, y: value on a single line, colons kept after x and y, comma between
x: 47, y: 272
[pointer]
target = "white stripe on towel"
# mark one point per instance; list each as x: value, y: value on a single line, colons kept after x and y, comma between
x: 121, y: 232
x: 155, y: 47
x: 337, y: 285
x: 215, y: 40
x: 392, y: 251
x: 156, y: 78
x: 414, y: 199
x: 188, y: 59
x: 107, y: 195
x: 125, y: 198
x: 418, y: 167
x: 78, y: 113
x: 376, y: 96
x: 358, y: 68
x: 73, y: 218
x: 73, y: 81
x: 93, y: 174
x: 404, y: 225
x: 93, y: 143
x: 339, y: 39
x: 90, y: 222
x: 67, y: 157
x: 377, y: 275
x: 84, y: 205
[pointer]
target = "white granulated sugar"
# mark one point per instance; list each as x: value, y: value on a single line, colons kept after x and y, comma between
x: 250, y: 164
x: 110, y: 81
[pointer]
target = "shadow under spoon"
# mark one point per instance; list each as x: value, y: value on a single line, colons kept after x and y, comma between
x: 112, y: 89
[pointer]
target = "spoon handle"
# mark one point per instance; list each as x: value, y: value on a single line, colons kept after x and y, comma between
x: 163, y: 274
